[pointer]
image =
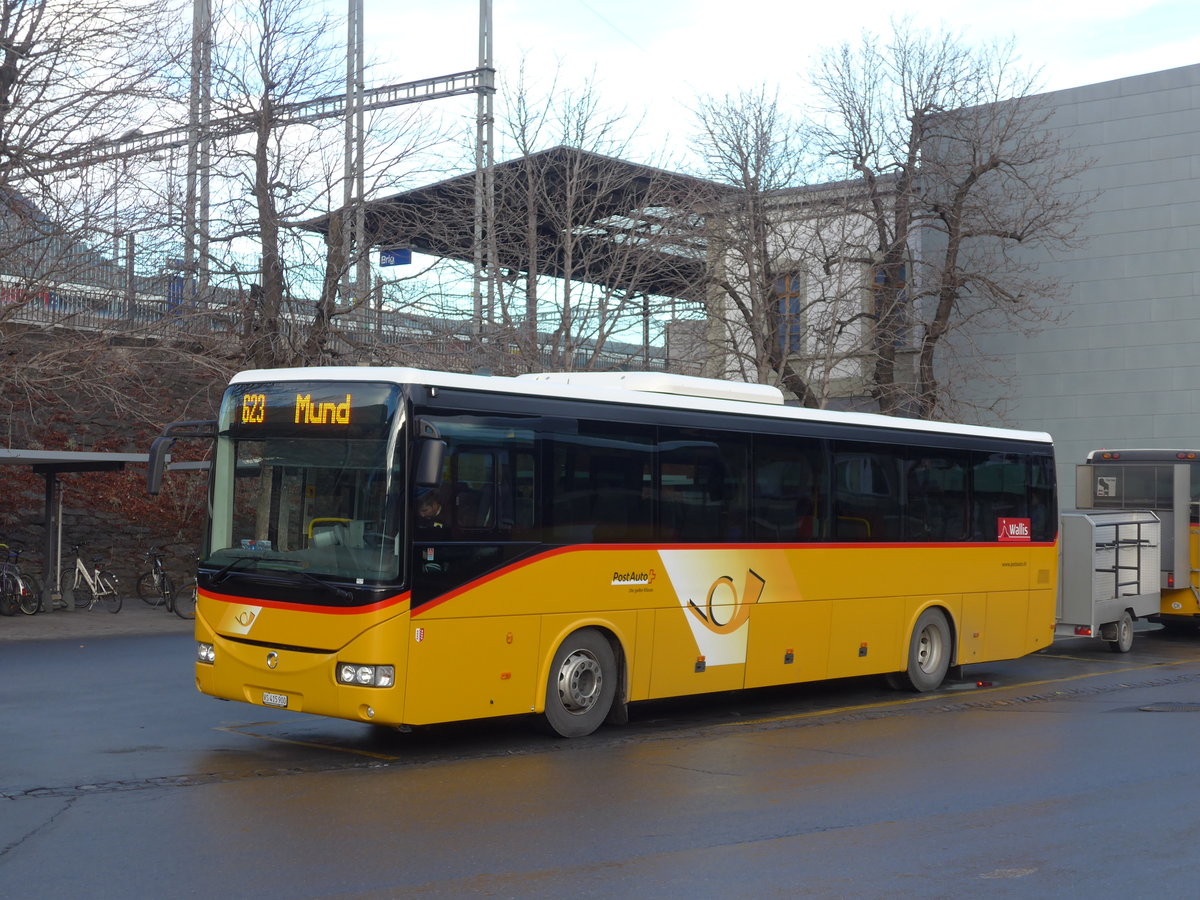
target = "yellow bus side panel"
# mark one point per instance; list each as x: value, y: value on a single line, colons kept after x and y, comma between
x: 1008, y: 622
x: 471, y: 668
x: 788, y: 643
x: 972, y: 626
x: 640, y: 659
x: 1042, y: 606
x: 679, y: 668
x: 493, y: 666
x: 867, y: 636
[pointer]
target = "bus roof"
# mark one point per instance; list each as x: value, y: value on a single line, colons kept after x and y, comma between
x: 655, y: 389
x: 1145, y: 454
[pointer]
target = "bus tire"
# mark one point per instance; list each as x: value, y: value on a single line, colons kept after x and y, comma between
x: 581, y: 685
x: 929, y: 651
x: 1124, y: 641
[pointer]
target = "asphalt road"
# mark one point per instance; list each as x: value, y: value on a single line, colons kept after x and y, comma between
x: 1068, y: 773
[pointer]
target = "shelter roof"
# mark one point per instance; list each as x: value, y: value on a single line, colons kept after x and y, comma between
x: 634, y: 227
x: 70, y: 460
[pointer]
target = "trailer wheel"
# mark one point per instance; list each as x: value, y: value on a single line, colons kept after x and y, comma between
x: 1124, y: 641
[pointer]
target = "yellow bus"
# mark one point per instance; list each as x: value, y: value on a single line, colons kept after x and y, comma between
x: 404, y: 547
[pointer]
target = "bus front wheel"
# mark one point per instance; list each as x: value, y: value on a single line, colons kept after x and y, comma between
x: 928, y: 653
x: 581, y: 685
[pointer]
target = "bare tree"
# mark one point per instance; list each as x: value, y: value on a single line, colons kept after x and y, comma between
x: 272, y: 184
x: 587, y: 244
x: 71, y: 74
x: 269, y: 53
x: 957, y: 168
x: 781, y: 301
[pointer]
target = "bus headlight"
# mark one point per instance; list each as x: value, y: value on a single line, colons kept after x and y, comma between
x: 366, y: 676
x: 205, y: 653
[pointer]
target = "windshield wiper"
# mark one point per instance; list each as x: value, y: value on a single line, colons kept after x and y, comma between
x: 225, y: 571
x: 280, y: 573
x: 341, y: 593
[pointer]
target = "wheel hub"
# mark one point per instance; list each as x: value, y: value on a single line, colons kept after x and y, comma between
x: 929, y: 650
x: 579, y: 682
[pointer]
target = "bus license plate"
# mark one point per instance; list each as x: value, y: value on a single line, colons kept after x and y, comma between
x: 270, y: 699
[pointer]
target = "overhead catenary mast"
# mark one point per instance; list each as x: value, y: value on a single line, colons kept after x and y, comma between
x: 202, y: 129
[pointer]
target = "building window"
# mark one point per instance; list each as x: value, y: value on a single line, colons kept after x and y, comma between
x: 788, y: 295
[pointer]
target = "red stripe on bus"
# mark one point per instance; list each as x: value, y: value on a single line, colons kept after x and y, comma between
x: 304, y: 607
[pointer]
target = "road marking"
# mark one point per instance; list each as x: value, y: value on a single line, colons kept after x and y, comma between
x: 241, y: 729
x: 1008, y: 873
x: 925, y: 698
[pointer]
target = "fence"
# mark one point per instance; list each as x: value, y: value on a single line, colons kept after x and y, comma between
x: 366, y: 335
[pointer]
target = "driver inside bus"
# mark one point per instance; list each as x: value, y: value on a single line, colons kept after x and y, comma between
x: 429, y: 510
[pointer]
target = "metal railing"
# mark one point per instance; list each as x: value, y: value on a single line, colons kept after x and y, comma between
x: 363, y: 335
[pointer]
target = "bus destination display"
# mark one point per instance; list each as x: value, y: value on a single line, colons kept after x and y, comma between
x: 308, y: 411
x: 345, y: 409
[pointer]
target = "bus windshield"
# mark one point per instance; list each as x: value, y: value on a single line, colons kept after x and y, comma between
x: 306, y: 503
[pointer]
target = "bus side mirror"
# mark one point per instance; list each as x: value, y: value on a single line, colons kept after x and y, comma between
x: 162, y: 445
x: 158, y: 463
x: 429, y: 462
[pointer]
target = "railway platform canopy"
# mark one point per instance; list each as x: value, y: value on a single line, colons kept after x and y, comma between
x: 564, y: 213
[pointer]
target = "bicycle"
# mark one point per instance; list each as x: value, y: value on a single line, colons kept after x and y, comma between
x: 157, y: 589
x: 101, y: 584
x: 153, y: 587
x: 17, y: 589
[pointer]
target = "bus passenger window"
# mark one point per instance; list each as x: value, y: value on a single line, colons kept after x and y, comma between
x: 936, y: 496
x: 703, y: 485
x: 788, y: 489
x: 598, y: 488
x: 998, y: 491
x: 868, y: 503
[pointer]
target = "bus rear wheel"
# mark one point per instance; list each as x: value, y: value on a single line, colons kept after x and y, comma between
x: 928, y: 653
x: 581, y: 684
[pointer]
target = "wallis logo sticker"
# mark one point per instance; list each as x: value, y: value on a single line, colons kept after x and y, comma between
x: 1013, y: 530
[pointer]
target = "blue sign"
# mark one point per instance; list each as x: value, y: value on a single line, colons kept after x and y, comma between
x: 395, y: 257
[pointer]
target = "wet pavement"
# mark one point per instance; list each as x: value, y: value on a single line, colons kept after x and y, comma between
x: 135, y: 618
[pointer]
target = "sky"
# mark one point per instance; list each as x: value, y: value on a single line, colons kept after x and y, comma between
x: 653, y: 58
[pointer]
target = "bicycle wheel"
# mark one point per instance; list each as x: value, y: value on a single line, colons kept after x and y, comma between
x: 9, y: 594
x: 147, y: 590
x: 106, y: 588
x: 167, y: 588
x: 31, y: 594
x: 74, y: 589
x: 185, y: 600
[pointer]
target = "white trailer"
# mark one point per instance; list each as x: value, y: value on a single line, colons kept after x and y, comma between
x: 1109, y: 573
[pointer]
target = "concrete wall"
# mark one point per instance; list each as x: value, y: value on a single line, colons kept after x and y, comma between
x: 1122, y: 367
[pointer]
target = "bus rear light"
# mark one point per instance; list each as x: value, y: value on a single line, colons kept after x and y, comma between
x: 365, y: 675
x: 1170, y: 579
x: 1083, y: 630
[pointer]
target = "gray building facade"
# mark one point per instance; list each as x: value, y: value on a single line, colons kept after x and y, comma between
x: 1121, y: 365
